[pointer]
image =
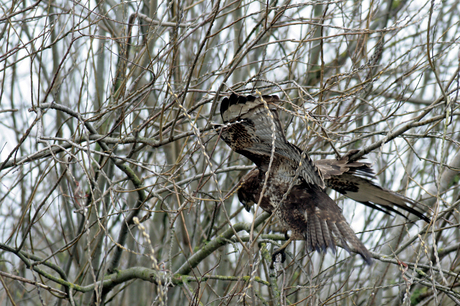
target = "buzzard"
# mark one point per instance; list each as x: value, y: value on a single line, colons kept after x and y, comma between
x: 289, y: 184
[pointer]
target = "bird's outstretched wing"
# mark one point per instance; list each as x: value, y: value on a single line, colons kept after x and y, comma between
x: 320, y: 219
x: 308, y: 212
x: 354, y: 180
x: 252, y: 128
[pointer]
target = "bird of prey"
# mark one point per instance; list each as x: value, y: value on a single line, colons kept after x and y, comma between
x: 293, y: 185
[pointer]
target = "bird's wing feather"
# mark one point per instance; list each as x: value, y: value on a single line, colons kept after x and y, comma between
x: 309, y: 210
x: 354, y: 180
x: 252, y: 127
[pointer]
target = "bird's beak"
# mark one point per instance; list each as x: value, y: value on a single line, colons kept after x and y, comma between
x: 247, y: 207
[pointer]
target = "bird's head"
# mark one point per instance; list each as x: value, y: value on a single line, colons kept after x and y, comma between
x: 249, y: 186
x: 246, y: 199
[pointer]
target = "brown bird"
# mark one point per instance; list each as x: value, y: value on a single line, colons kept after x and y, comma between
x: 294, y: 184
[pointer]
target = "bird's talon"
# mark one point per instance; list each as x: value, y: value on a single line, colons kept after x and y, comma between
x: 279, y: 251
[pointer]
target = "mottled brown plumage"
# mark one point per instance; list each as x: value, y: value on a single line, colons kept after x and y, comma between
x: 306, y: 210
x: 354, y: 180
x: 353, y: 183
x: 294, y: 189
